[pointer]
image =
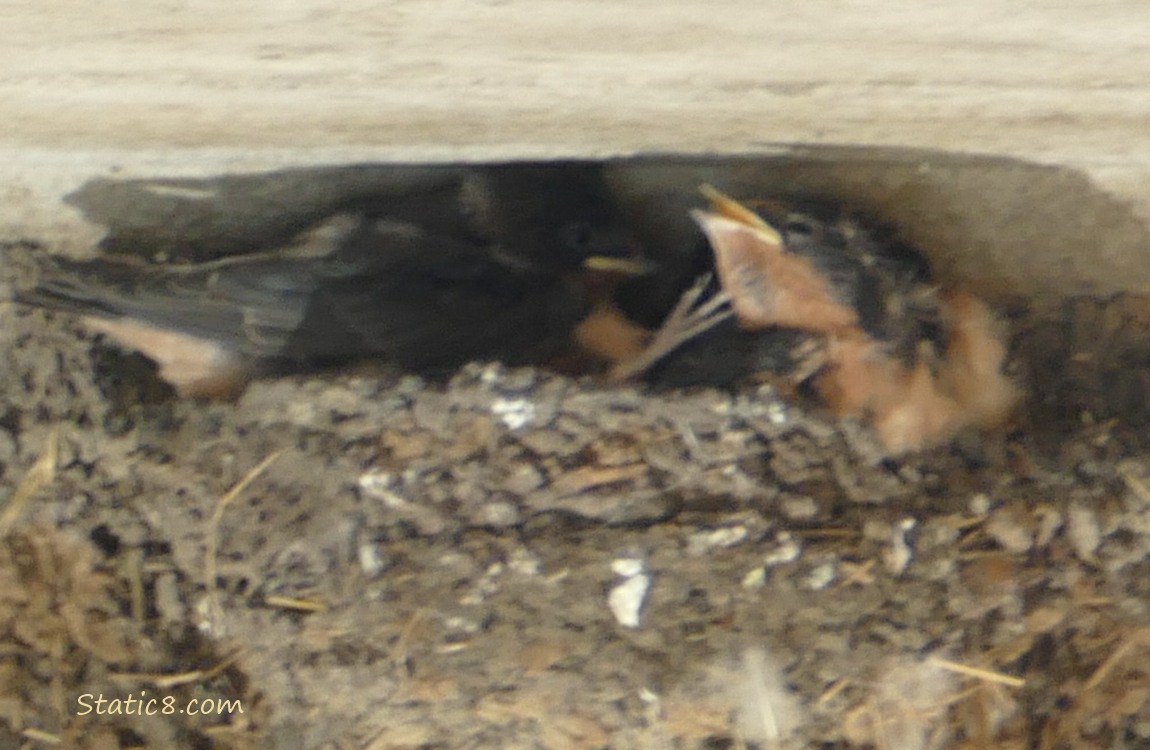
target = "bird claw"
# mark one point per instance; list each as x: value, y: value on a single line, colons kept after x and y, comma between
x: 687, y: 320
x: 811, y: 358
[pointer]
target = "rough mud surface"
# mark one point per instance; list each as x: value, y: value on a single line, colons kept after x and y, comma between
x: 368, y: 560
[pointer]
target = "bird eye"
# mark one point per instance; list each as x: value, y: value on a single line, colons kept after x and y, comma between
x: 799, y: 225
x: 576, y: 235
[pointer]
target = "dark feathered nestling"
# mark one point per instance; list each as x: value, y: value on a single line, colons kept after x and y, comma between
x: 502, y: 273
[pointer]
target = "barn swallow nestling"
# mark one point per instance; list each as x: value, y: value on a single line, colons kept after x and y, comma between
x: 515, y: 273
x: 919, y: 362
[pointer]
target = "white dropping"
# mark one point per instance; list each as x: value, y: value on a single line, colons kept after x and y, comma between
x: 514, y: 412
x: 625, y: 600
x: 898, y: 557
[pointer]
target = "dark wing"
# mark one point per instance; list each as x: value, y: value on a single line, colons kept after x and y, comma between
x: 427, y: 303
x: 368, y: 289
x: 249, y: 304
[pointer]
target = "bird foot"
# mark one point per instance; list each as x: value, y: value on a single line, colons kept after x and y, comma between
x: 811, y: 358
x: 687, y: 320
